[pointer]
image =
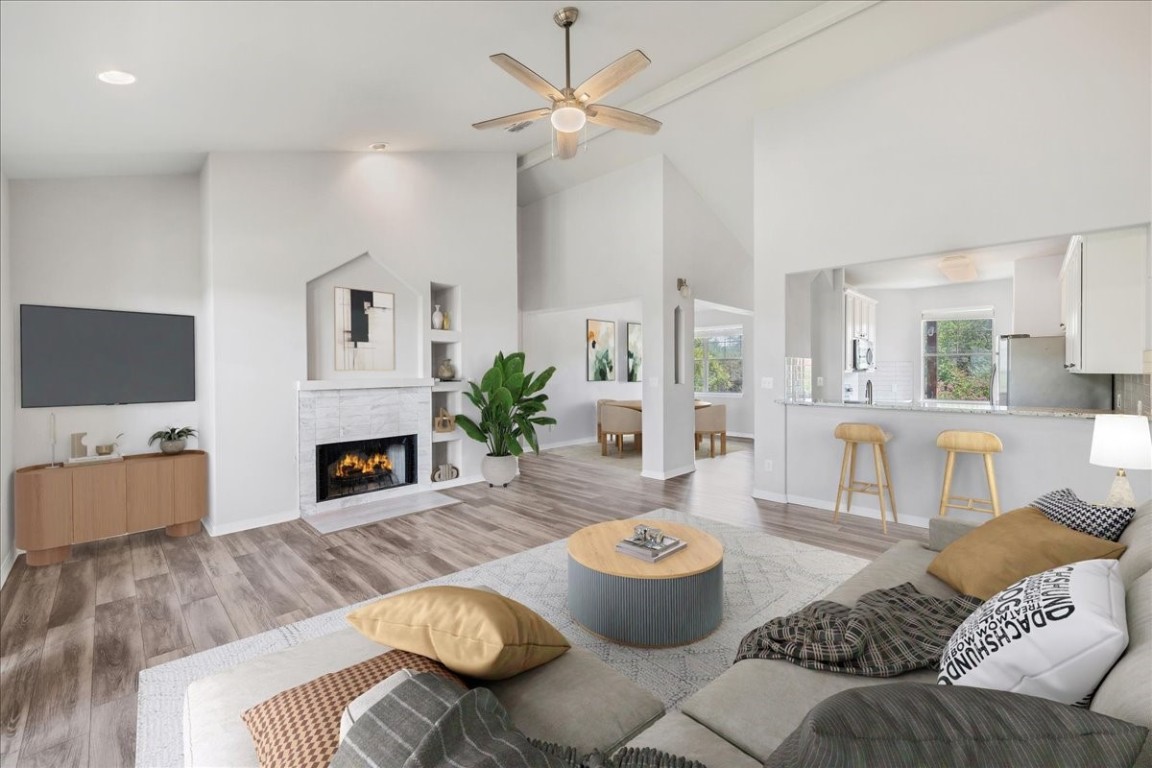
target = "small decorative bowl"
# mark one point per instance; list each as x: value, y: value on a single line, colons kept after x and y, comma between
x: 105, y: 450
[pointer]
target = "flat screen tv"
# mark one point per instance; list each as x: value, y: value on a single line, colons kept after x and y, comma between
x: 72, y: 356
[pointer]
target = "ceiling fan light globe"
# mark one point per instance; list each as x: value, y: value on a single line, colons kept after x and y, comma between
x: 568, y: 119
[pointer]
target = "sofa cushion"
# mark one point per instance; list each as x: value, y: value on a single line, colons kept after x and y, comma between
x: 681, y: 735
x: 1054, y: 635
x: 474, y: 632
x: 903, y: 562
x: 1014, y: 545
x: 301, y: 726
x: 1126, y: 691
x: 755, y: 704
x: 1065, y: 507
x: 1137, y: 560
x: 577, y: 700
x: 905, y: 724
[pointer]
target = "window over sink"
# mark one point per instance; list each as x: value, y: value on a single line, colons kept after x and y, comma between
x: 958, y: 353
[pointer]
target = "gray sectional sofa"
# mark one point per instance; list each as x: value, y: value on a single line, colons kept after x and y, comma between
x: 736, y: 721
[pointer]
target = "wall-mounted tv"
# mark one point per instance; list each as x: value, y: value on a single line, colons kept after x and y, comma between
x: 72, y: 356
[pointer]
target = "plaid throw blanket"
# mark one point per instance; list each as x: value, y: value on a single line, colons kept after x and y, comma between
x: 888, y: 632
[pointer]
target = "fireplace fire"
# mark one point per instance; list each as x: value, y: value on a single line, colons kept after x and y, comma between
x: 364, y: 466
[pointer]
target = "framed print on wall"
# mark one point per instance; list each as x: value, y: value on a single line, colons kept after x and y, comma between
x: 635, y: 352
x: 600, y: 341
x: 365, y: 330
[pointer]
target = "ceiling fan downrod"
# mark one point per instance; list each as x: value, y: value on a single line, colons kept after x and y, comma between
x: 566, y: 17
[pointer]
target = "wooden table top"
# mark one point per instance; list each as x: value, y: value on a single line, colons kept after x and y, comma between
x: 638, y: 405
x: 595, y: 547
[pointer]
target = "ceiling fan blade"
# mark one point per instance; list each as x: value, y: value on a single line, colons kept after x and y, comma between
x: 566, y: 144
x: 612, y: 76
x: 613, y: 117
x: 526, y: 76
x: 519, y: 117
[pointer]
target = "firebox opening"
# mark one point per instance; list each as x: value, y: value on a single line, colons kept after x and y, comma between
x: 364, y: 466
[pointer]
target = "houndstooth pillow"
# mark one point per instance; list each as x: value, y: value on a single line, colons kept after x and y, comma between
x: 1064, y: 507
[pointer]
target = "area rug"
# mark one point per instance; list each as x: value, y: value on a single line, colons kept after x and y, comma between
x: 764, y: 577
x: 633, y: 461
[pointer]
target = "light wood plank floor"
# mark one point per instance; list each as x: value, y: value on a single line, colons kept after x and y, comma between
x: 74, y: 636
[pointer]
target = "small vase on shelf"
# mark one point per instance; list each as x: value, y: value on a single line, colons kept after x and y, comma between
x: 437, y: 319
x: 446, y: 371
x: 447, y: 324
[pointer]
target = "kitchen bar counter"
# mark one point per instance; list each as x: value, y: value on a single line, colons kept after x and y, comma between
x: 948, y: 408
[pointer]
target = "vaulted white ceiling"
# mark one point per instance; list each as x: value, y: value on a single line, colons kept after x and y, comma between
x: 308, y: 76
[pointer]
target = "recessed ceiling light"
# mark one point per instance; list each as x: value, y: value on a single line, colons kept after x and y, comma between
x: 378, y: 146
x: 116, y: 77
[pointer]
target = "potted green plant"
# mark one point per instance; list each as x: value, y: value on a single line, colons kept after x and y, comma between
x: 172, y: 439
x: 510, y: 403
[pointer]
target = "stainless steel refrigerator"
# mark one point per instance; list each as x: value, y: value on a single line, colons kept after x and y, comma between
x: 1030, y: 372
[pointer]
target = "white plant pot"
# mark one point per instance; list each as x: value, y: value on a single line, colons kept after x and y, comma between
x: 499, y: 470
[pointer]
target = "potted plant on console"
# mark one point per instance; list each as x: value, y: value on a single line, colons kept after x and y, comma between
x: 510, y: 403
x: 172, y: 439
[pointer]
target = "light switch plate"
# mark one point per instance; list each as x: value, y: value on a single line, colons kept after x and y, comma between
x: 819, y: 381
x: 767, y: 382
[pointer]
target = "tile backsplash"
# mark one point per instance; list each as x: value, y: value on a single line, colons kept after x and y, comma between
x: 1133, y: 393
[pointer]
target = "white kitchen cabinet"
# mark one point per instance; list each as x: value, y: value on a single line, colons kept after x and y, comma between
x: 859, y: 323
x: 1102, y: 301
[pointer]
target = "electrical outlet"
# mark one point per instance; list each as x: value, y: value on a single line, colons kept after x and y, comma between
x: 767, y: 383
x: 767, y: 465
x: 819, y: 381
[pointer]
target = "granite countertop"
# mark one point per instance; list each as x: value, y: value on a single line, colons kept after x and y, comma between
x: 992, y: 410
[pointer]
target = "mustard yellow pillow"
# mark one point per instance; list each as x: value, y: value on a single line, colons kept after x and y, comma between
x: 473, y: 632
x: 1016, y: 544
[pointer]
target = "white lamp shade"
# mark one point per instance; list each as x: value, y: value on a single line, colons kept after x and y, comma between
x: 1123, y: 442
x: 568, y: 119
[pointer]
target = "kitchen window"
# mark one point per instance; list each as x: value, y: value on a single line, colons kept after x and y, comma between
x: 719, y: 360
x: 958, y: 354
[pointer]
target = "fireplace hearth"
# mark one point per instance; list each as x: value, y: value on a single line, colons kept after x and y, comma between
x: 364, y: 466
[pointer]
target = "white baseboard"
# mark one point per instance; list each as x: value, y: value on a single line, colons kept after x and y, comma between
x: 6, y: 565
x: 857, y: 510
x: 760, y: 493
x: 677, y: 472
x: 215, y: 529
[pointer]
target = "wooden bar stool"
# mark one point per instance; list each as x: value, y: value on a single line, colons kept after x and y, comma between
x: 984, y: 443
x: 853, y: 435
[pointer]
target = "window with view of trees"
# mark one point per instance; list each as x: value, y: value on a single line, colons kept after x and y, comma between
x: 958, y: 358
x: 719, y: 360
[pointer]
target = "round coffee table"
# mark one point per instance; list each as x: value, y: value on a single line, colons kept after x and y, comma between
x: 675, y: 601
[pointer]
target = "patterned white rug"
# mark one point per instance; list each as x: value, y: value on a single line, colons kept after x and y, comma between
x: 764, y: 577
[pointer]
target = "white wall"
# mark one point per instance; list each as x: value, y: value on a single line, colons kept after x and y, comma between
x: 364, y: 273
x: 127, y: 243
x: 275, y: 222
x: 741, y: 407
x: 556, y: 338
x: 1036, y: 296
x: 974, y: 144
x: 7, y: 387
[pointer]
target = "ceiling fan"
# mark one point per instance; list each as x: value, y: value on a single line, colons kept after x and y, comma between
x: 572, y: 107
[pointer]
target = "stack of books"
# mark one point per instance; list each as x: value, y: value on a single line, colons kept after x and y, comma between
x: 650, y: 550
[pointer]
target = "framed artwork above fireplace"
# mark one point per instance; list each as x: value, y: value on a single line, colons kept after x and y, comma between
x: 365, y: 330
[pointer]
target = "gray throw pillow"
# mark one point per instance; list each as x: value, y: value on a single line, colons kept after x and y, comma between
x: 1065, y: 507
x: 913, y: 724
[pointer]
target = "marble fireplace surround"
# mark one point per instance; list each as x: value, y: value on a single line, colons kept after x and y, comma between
x: 332, y: 411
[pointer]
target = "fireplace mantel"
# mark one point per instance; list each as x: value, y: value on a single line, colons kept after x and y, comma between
x: 325, y: 384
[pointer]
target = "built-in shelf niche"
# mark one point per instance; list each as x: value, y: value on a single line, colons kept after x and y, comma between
x: 446, y: 344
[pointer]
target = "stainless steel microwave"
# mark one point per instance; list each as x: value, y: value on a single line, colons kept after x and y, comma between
x: 862, y: 355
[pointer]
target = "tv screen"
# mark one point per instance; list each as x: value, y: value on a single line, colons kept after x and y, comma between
x: 71, y: 356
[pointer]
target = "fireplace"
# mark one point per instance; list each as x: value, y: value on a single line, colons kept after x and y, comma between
x: 364, y: 466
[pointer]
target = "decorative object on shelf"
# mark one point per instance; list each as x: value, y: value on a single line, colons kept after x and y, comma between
x: 1122, y: 442
x: 444, y: 421
x: 437, y: 318
x: 511, y: 403
x: 79, y: 450
x: 635, y: 352
x: 108, y: 448
x: 172, y: 439
x: 446, y: 371
x: 601, y: 342
x: 447, y: 321
x: 365, y: 330
x: 683, y: 288
x: 445, y: 472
